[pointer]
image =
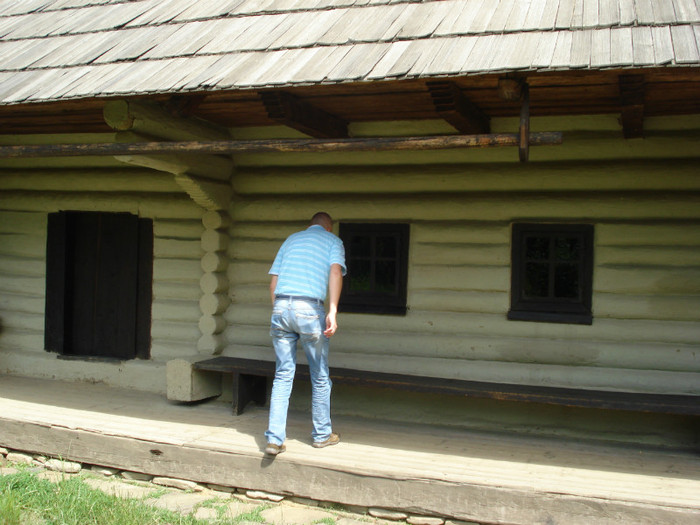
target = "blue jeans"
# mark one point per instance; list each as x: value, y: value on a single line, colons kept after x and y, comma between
x: 292, y: 321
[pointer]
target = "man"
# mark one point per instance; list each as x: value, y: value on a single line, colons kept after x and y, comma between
x: 309, y: 266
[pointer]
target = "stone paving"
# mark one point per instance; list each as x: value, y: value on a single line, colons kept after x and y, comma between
x: 210, y: 503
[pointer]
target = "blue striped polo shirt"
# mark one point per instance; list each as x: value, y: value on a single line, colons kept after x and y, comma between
x: 303, y: 263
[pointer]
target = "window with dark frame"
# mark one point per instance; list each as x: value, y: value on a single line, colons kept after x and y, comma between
x: 552, y: 273
x: 377, y: 259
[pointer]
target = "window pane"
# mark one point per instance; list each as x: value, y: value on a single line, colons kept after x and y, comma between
x: 536, y: 280
x: 385, y: 278
x: 566, y: 281
x: 360, y: 246
x: 386, y: 247
x: 360, y: 276
x: 537, y: 248
x: 567, y: 248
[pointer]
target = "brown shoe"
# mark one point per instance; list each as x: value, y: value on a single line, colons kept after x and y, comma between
x: 272, y: 449
x: 333, y: 439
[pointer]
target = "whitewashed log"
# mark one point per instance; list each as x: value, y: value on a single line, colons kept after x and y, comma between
x: 472, y: 278
x: 214, y: 262
x: 213, y: 283
x: 478, y: 177
x: 177, y: 270
x: 215, y: 220
x: 174, y: 331
x: 442, y: 254
x: 680, y: 233
x: 565, y: 206
x: 254, y: 249
x: 151, y: 119
x: 21, y: 340
x: 275, y: 230
x: 172, y: 310
x: 89, y: 180
x: 11, y: 265
x: 19, y: 222
x: 18, y: 320
x: 650, y: 255
x: 467, y: 231
x: 175, y: 248
x: 246, y: 272
x: 214, y: 240
x: 22, y: 285
x: 179, y: 229
x: 163, y: 290
x: 212, y: 324
x: 143, y: 205
x: 164, y: 351
x: 213, y: 304
x: 19, y: 245
x: 20, y: 302
x: 211, y: 344
x: 660, y: 307
x: 648, y: 280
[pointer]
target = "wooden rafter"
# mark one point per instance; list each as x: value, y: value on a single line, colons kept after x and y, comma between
x: 632, y: 105
x: 455, y: 108
x: 291, y: 111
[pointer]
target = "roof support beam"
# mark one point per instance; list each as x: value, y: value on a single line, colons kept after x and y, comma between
x: 300, y: 115
x: 205, y: 178
x: 542, y: 138
x: 455, y: 108
x: 632, y: 105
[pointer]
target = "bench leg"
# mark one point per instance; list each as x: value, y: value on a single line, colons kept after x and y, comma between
x: 247, y: 388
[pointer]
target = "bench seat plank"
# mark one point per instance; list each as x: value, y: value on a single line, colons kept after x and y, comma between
x: 250, y: 380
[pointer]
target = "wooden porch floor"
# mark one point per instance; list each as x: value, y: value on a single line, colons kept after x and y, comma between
x: 425, y: 470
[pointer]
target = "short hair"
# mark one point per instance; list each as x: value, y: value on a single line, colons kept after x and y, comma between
x: 322, y: 218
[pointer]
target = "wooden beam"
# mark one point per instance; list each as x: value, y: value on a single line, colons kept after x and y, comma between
x: 455, y: 108
x: 632, y: 105
x: 210, y: 195
x: 524, y: 147
x: 155, y: 120
x: 300, y: 115
x: 543, y: 138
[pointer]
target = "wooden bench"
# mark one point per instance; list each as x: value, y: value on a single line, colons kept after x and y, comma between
x: 250, y: 382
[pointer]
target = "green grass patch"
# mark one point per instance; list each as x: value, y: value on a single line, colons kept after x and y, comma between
x: 26, y: 499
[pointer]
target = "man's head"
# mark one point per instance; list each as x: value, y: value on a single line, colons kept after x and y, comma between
x: 323, y: 219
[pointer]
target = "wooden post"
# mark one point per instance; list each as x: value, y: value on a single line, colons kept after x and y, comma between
x: 524, y: 146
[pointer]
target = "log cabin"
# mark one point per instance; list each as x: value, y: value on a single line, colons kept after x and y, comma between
x: 516, y: 184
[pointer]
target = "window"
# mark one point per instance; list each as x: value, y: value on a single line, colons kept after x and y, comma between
x: 377, y: 260
x: 98, y: 285
x: 552, y: 273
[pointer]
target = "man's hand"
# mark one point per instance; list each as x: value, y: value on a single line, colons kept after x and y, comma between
x: 331, y: 324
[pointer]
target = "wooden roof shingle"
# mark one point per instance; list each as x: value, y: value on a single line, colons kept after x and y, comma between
x: 53, y: 50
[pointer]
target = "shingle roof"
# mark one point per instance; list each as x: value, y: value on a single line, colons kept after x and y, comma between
x: 62, y: 49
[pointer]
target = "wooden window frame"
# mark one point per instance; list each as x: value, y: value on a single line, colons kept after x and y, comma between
x: 376, y: 302
x: 552, y: 309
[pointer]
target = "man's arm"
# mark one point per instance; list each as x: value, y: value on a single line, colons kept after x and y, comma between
x: 273, y: 285
x: 335, y: 285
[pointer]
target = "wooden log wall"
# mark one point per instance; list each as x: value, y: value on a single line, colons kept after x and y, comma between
x: 31, y: 190
x: 646, y: 330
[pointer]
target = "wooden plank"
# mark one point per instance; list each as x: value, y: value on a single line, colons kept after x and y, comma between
x: 628, y: 15
x: 291, y: 145
x: 497, y: 22
x: 684, y: 44
x: 645, y: 11
x: 482, y: 17
x: 663, y: 45
x: 621, y: 50
x: 642, y: 46
x: 545, y: 50
x: 609, y: 12
x: 591, y: 13
x: 461, y: 15
x: 600, y: 48
x: 565, y: 14
x: 562, y: 51
x: 686, y: 10
x: 536, y: 14
x: 663, y: 12
x: 581, y: 49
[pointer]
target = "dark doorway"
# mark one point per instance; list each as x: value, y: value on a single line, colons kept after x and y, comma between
x: 98, y: 284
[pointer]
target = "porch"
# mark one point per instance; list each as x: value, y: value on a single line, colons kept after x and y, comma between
x: 425, y: 470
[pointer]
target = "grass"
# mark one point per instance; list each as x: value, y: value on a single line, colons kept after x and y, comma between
x: 26, y: 499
